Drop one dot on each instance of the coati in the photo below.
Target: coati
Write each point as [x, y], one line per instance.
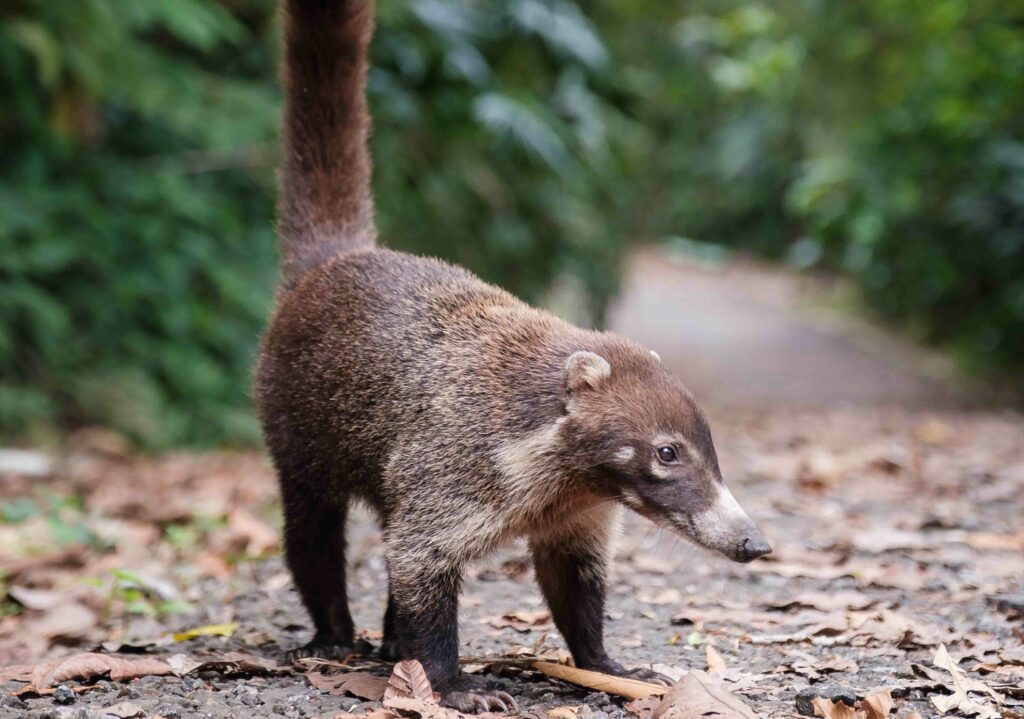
[464, 417]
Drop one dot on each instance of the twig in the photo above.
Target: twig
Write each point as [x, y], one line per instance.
[629, 688]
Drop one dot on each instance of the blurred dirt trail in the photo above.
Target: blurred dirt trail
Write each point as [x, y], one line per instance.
[743, 335]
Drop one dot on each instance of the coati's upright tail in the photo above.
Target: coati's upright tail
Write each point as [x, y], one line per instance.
[325, 204]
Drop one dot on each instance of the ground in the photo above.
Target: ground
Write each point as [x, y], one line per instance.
[892, 497]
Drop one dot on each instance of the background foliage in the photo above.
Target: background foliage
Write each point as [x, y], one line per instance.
[527, 139]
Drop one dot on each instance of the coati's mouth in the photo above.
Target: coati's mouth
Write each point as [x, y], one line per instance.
[724, 528]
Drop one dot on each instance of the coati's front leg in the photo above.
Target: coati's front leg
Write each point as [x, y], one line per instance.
[424, 610]
[571, 571]
[390, 649]
[314, 534]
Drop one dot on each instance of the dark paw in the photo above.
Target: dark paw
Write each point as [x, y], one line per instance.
[648, 675]
[325, 648]
[640, 673]
[480, 700]
[389, 650]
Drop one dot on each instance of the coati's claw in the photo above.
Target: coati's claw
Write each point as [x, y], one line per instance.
[650, 676]
[321, 648]
[480, 701]
[333, 652]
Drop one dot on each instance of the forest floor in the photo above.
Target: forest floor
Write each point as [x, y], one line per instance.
[894, 506]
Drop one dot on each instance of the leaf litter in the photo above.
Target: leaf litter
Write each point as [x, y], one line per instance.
[889, 547]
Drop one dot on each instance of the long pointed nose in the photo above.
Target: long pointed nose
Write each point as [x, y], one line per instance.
[752, 546]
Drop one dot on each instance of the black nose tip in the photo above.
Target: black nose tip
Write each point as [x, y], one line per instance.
[753, 546]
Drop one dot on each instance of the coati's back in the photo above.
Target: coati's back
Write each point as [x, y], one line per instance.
[372, 344]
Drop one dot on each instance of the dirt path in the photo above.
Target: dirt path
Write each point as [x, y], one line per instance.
[895, 517]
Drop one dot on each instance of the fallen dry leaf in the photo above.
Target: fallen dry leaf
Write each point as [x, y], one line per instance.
[408, 691]
[408, 680]
[259, 537]
[356, 684]
[563, 712]
[877, 705]
[65, 621]
[643, 708]
[714, 659]
[962, 687]
[211, 630]
[833, 710]
[229, 664]
[87, 665]
[665, 596]
[698, 696]
[39, 600]
[522, 621]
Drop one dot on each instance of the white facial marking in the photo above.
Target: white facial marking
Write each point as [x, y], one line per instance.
[723, 522]
[659, 470]
[655, 355]
[625, 454]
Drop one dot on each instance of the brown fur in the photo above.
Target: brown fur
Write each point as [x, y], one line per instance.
[464, 417]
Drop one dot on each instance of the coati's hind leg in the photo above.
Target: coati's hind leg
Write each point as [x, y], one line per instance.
[314, 533]
[571, 567]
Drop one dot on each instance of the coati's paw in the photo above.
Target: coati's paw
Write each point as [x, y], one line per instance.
[640, 673]
[648, 675]
[471, 695]
[327, 648]
[389, 650]
[479, 701]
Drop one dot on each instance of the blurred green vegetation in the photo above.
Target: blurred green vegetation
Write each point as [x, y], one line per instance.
[531, 140]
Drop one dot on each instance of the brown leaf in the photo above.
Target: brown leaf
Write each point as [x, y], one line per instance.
[697, 696]
[962, 686]
[714, 659]
[563, 712]
[229, 664]
[832, 710]
[16, 673]
[408, 681]
[522, 621]
[643, 708]
[877, 705]
[259, 537]
[356, 684]
[665, 596]
[69, 621]
[87, 665]
[40, 600]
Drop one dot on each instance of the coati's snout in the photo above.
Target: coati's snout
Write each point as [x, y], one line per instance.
[653, 447]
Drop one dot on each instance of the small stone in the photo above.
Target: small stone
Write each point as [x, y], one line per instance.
[249, 700]
[827, 691]
[168, 712]
[63, 694]
[1008, 602]
[9, 701]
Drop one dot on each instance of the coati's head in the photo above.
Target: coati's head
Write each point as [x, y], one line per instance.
[650, 447]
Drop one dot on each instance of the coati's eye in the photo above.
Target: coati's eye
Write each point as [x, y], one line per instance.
[667, 454]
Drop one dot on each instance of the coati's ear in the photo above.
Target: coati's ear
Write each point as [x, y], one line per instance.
[585, 370]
